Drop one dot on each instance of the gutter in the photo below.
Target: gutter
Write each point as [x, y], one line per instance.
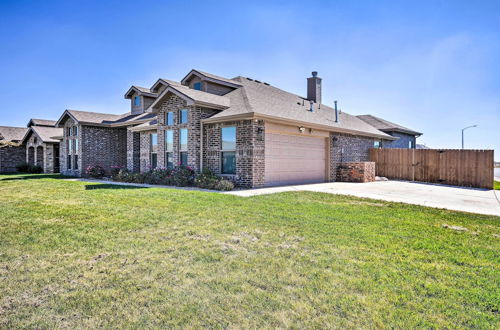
[253, 115]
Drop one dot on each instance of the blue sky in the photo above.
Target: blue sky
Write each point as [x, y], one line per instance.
[433, 66]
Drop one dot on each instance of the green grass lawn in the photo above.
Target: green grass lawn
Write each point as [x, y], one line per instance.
[496, 185]
[75, 254]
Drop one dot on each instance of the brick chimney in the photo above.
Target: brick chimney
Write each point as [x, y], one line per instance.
[314, 88]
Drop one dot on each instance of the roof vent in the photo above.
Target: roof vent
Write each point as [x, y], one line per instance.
[267, 84]
[257, 81]
[311, 103]
[249, 79]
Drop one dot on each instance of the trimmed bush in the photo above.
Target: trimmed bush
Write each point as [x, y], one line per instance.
[206, 179]
[95, 171]
[224, 185]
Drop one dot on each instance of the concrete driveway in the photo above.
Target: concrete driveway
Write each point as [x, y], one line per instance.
[439, 196]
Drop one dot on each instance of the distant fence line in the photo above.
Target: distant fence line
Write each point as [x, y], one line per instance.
[468, 168]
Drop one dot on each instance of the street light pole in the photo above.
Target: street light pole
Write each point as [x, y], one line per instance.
[463, 129]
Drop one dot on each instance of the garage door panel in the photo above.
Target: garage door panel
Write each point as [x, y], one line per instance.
[292, 159]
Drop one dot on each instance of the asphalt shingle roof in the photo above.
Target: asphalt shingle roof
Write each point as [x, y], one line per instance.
[263, 99]
[12, 134]
[385, 125]
[47, 134]
[41, 122]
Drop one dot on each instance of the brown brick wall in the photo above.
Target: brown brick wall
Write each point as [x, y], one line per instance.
[348, 148]
[250, 144]
[10, 157]
[103, 146]
[356, 172]
[97, 146]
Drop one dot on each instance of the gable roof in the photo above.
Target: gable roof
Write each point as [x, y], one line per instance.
[87, 117]
[41, 122]
[193, 96]
[12, 134]
[46, 134]
[210, 77]
[164, 82]
[387, 126]
[256, 99]
[140, 90]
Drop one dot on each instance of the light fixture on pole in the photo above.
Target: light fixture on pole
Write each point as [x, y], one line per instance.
[463, 129]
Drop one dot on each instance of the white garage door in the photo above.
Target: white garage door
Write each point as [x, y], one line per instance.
[294, 159]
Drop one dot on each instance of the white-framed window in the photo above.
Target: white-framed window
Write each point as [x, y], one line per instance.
[228, 150]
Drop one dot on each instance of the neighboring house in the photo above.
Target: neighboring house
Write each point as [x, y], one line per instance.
[247, 131]
[422, 146]
[407, 138]
[91, 138]
[42, 144]
[12, 152]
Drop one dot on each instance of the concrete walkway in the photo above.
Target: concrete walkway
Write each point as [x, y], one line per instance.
[439, 196]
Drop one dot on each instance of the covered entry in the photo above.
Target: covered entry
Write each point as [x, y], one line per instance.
[294, 158]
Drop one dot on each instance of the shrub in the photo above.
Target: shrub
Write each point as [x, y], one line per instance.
[95, 171]
[115, 170]
[23, 167]
[159, 176]
[206, 179]
[183, 176]
[224, 185]
[28, 168]
[36, 169]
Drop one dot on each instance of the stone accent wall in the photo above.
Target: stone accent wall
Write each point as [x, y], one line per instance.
[10, 157]
[103, 146]
[145, 154]
[42, 153]
[133, 151]
[403, 141]
[356, 172]
[63, 150]
[250, 155]
[348, 148]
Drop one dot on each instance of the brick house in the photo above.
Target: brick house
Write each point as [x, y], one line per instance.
[42, 144]
[91, 138]
[406, 138]
[246, 130]
[12, 152]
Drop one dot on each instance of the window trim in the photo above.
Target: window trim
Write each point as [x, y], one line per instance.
[137, 101]
[151, 150]
[181, 111]
[166, 118]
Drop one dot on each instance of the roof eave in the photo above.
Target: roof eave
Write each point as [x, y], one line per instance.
[252, 115]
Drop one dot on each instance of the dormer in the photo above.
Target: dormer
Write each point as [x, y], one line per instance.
[140, 99]
[207, 82]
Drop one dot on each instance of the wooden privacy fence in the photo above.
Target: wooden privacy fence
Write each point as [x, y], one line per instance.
[468, 168]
